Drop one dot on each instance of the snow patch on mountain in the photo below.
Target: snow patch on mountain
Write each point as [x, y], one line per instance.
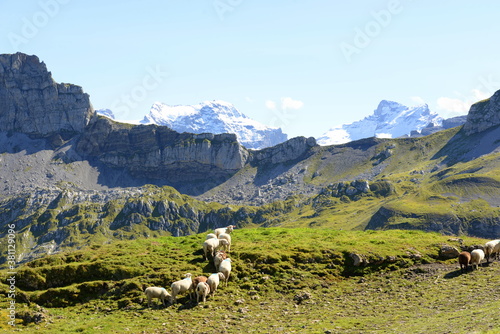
[215, 117]
[389, 120]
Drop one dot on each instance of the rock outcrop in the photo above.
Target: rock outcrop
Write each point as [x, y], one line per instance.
[290, 150]
[161, 153]
[31, 102]
[483, 115]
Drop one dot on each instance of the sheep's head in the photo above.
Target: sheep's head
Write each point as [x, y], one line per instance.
[188, 275]
[222, 276]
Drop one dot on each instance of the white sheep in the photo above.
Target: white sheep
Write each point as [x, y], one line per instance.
[477, 255]
[210, 246]
[227, 229]
[225, 268]
[156, 292]
[490, 248]
[496, 251]
[226, 236]
[202, 290]
[211, 236]
[181, 286]
[214, 280]
[219, 257]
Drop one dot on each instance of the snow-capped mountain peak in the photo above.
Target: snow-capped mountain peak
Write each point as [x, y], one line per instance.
[215, 117]
[390, 120]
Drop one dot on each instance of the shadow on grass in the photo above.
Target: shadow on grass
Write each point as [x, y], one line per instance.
[459, 272]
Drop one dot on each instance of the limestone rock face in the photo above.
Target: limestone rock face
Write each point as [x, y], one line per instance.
[161, 153]
[290, 150]
[31, 102]
[483, 115]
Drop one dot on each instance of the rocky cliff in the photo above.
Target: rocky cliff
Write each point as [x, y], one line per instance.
[31, 102]
[483, 115]
[158, 152]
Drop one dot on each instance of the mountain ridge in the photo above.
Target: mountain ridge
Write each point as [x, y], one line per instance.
[215, 117]
[390, 120]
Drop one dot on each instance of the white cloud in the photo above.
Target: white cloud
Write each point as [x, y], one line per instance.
[271, 105]
[289, 103]
[455, 105]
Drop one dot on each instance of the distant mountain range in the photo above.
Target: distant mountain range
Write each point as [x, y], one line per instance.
[215, 117]
[389, 120]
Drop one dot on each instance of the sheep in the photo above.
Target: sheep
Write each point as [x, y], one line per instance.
[225, 268]
[226, 236]
[214, 280]
[464, 260]
[211, 236]
[490, 248]
[211, 246]
[181, 286]
[197, 280]
[477, 255]
[227, 229]
[202, 290]
[496, 251]
[156, 292]
[219, 257]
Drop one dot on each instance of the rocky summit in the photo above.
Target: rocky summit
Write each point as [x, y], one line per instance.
[483, 115]
[32, 103]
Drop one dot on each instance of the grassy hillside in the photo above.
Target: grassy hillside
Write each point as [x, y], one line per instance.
[284, 280]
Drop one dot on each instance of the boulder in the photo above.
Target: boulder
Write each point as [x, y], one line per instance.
[448, 252]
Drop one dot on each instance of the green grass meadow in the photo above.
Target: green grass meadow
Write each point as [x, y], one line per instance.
[284, 280]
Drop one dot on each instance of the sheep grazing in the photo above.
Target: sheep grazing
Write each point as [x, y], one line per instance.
[226, 236]
[202, 290]
[227, 229]
[211, 236]
[477, 255]
[225, 268]
[464, 260]
[210, 246]
[156, 292]
[490, 248]
[184, 285]
[219, 257]
[214, 280]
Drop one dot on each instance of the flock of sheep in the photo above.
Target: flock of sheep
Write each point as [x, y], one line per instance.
[475, 257]
[201, 286]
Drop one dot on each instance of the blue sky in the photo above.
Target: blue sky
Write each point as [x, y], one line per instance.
[305, 66]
